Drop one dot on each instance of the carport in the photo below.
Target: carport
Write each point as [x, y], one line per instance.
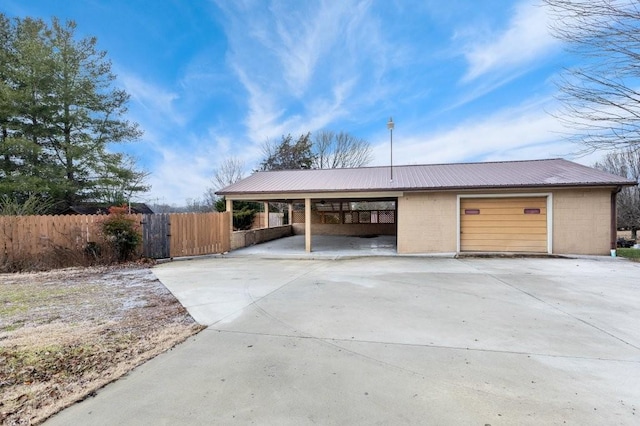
[540, 206]
[361, 214]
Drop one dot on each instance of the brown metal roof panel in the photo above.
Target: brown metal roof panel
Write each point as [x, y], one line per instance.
[438, 176]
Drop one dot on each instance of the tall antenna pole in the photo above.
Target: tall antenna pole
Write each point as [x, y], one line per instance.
[390, 126]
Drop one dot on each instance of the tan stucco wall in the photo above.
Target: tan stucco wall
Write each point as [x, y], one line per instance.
[582, 221]
[427, 223]
[241, 239]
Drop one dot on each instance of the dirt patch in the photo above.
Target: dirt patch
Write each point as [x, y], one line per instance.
[66, 333]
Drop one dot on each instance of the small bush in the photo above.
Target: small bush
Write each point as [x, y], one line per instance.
[243, 219]
[121, 233]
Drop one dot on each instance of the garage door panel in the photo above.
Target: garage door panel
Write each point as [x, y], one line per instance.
[507, 217]
[487, 248]
[503, 224]
[510, 245]
[512, 224]
[515, 219]
[488, 231]
[493, 238]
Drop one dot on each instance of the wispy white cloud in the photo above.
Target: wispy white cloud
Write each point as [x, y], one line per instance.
[303, 67]
[523, 132]
[300, 41]
[483, 88]
[525, 39]
[204, 76]
[263, 113]
[155, 101]
[181, 174]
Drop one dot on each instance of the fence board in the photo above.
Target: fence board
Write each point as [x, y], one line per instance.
[200, 233]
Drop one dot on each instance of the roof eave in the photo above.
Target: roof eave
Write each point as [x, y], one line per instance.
[439, 188]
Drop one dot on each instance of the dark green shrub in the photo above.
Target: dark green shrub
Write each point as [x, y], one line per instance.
[243, 212]
[121, 232]
[243, 219]
[221, 205]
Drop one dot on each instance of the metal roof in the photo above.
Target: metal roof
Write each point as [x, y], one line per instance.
[508, 174]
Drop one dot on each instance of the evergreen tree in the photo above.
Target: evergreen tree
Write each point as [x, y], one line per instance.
[59, 112]
[288, 155]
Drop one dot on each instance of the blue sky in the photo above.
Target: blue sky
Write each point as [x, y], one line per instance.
[464, 80]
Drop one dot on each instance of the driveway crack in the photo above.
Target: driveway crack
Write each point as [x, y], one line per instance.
[585, 322]
[254, 301]
[333, 341]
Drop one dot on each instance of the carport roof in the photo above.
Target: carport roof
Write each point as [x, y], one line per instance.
[508, 174]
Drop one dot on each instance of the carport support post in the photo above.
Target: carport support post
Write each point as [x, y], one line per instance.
[307, 224]
[266, 214]
[290, 214]
[230, 210]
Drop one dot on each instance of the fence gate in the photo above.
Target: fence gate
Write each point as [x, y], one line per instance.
[156, 236]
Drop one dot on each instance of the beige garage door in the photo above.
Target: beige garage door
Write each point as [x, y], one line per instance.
[503, 224]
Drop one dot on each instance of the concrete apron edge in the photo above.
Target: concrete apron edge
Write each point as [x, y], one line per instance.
[330, 256]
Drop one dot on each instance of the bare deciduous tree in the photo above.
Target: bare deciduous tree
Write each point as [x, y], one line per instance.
[337, 150]
[626, 164]
[229, 171]
[601, 96]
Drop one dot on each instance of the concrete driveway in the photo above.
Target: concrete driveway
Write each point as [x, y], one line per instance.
[391, 340]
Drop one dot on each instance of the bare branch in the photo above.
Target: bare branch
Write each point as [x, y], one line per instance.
[625, 163]
[601, 97]
[229, 171]
[338, 150]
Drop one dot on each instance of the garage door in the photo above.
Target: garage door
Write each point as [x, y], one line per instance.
[503, 224]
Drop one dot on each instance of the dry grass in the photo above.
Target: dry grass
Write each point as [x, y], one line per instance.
[66, 333]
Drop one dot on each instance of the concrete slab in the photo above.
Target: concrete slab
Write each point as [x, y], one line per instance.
[391, 340]
[322, 246]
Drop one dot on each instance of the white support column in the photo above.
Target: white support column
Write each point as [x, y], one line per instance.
[229, 208]
[266, 214]
[307, 224]
[290, 214]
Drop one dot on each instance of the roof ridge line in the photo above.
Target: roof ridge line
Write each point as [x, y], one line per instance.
[419, 165]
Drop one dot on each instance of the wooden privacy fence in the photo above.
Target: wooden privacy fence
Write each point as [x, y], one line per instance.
[199, 233]
[36, 235]
[164, 235]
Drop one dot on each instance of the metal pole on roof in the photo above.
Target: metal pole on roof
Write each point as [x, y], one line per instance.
[390, 126]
